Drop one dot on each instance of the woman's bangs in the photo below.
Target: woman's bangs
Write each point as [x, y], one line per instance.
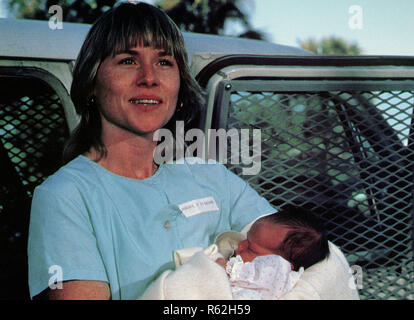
[134, 32]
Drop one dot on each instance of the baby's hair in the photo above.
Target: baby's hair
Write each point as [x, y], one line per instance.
[306, 242]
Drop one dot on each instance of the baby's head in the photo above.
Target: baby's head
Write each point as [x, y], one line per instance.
[293, 233]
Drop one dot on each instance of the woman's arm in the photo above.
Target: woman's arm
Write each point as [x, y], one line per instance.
[78, 290]
[61, 235]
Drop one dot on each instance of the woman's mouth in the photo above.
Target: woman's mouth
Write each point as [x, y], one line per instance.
[145, 102]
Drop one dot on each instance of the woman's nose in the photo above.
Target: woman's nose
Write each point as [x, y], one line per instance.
[148, 76]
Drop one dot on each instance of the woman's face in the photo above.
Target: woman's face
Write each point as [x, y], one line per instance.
[137, 91]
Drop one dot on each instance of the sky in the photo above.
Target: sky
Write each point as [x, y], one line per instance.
[379, 27]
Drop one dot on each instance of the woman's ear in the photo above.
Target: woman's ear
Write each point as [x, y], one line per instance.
[91, 100]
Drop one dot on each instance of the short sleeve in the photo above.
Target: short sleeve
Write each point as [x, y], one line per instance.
[61, 245]
[246, 203]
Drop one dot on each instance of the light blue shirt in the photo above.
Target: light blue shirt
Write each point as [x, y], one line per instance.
[90, 224]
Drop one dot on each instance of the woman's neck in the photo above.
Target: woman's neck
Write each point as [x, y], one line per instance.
[130, 157]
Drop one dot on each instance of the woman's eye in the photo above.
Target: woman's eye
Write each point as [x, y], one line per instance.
[165, 63]
[127, 61]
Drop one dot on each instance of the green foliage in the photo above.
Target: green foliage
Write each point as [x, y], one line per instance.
[209, 16]
[83, 11]
[332, 45]
[202, 16]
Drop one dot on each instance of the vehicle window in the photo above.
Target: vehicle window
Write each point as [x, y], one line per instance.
[345, 155]
[32, 132]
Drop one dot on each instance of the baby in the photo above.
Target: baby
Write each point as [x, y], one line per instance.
[267, 265]
[278, 248]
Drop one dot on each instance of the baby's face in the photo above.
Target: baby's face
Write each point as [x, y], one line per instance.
[263, 238]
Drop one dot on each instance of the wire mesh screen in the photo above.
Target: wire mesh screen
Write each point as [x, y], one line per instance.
[32, 132]
[347, 156]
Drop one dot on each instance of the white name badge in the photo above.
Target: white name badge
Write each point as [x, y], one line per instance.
[197, 206]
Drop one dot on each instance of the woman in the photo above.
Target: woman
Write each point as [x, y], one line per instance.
[107, 223]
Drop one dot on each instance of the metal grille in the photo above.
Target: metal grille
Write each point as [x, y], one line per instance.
[347, 156]
[32, 132]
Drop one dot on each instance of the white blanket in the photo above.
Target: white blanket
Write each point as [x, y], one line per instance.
[198, 277]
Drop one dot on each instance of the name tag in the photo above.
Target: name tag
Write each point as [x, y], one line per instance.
[194, 207]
